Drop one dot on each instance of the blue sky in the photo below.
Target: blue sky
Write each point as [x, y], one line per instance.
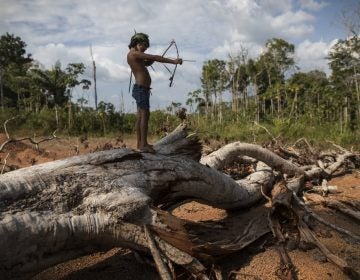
[203, 29]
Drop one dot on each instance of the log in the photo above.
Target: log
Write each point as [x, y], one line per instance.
[53, 211]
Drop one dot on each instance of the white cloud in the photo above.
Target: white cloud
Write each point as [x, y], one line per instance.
[312, 55]
[50, 53]
[313, 5]
[64, 30]
[291, 18]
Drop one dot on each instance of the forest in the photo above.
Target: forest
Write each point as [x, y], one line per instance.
[267, 91]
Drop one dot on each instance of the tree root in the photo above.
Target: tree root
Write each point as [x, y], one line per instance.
[287, 206]
[341, 206]
[308, 236]
[324, 222]
[162, 269]
[280, 198]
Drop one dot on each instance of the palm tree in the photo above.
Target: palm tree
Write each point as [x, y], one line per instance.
[54, 82]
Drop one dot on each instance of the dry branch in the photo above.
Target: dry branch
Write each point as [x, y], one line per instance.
[4, 164]
[31, 140]
[226, 154]
[160, 264]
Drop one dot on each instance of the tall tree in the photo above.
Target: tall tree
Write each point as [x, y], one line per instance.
[214, 78]
[53, 82]
[58, 83]
[309, 95]
[12, 55]
[231, 68]
[274, 63]
[254, 72]
[195, 98]
[94, 76]
[238, 79]
[344, 61]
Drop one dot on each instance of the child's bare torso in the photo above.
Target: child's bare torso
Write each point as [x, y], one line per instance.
[142, 76]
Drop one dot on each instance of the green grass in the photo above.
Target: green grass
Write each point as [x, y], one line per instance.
[232, 128]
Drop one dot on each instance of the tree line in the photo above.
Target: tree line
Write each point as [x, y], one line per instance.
[271, 86]
[268, 89]
[43, 97]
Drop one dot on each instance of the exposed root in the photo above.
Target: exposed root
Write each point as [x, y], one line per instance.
[281, 210]
[160, 264]
[348, 208]
[287, 270]
[190, 263]
[308, 236]
[341, 207]
[324, 222]
[287, 220]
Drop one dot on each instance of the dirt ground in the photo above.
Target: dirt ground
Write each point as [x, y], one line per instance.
[258, 261]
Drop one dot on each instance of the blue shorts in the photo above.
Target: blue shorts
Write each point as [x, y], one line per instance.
[142, 96]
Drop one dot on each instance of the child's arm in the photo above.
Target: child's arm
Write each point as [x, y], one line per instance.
[158, 58]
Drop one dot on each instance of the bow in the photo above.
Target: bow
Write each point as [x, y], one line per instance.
[172, 73]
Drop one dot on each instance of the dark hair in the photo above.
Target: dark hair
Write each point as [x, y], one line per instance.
[139, 38]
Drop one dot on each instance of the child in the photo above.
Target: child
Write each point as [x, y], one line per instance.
[138, 60]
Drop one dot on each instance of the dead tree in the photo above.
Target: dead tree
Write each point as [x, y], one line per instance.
[58, 210]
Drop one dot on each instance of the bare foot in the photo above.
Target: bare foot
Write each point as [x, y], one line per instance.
[147, 149]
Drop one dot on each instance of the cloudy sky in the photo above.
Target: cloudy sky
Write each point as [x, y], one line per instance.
[203, 29]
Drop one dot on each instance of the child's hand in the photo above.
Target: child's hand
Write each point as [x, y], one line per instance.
[178, 61]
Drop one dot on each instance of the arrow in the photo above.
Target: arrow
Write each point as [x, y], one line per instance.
[189, 60]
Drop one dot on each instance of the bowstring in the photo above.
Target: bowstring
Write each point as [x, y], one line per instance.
[177, 56]
[172, 73]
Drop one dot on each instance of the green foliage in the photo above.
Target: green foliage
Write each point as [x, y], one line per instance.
[13, 67]
[56, 85]
[263, 89]
[271, 66]
[12, 50]
[319, 135]
[161, 122]
[87, 121]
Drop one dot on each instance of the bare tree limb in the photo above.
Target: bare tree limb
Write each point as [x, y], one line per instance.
[31, 140]
[4, 164]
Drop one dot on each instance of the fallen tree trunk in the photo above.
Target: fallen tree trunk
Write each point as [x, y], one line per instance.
[104, 198]
[56, 211]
